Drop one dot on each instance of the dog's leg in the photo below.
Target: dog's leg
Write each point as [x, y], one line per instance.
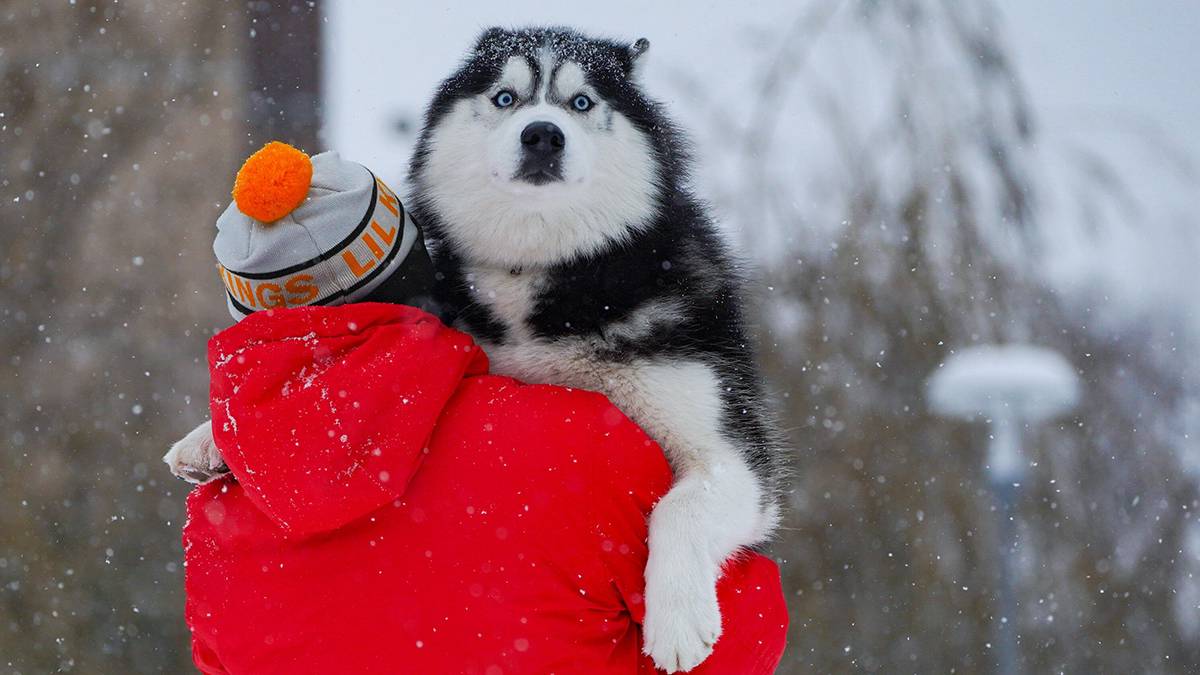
[714, 508]
[195, 457]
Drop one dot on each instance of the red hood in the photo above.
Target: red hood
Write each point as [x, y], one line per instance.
[323, 413]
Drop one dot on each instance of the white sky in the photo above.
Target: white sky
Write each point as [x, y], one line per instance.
[1103, 57]
[1111, 57]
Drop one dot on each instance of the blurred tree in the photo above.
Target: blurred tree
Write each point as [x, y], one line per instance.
[908, 223]
[285, 74]
[121, 124]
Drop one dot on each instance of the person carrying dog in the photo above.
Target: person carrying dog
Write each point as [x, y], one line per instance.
[390, 507]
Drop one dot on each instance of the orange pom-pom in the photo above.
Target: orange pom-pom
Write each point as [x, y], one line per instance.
[272, 182]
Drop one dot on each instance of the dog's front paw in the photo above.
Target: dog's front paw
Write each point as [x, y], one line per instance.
[195, 457]
[683, 620]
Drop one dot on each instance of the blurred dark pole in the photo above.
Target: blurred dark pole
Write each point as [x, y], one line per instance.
[1005, 642]
[284, 73]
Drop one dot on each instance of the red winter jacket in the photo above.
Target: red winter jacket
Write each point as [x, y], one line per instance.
[398, 510]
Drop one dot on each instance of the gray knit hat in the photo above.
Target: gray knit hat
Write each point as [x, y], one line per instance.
[308, 232]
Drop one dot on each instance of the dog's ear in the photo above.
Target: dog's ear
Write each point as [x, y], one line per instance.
[636, 53]
[638, 48]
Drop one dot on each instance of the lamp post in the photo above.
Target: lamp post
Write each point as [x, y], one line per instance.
[1010, 387]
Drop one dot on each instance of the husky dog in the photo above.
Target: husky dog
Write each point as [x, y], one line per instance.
[554, 195]
[554, 198]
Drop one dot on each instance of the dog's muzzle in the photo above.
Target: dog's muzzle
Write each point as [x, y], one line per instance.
[542, 145]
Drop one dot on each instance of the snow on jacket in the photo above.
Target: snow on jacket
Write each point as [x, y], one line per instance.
[398, 510]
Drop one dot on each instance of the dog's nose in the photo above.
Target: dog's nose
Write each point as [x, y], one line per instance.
[543, 138]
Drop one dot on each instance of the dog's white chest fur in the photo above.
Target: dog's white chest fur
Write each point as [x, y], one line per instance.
[509, 294]
[512, 297]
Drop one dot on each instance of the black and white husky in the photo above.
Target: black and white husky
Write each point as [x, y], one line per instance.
[554, 196]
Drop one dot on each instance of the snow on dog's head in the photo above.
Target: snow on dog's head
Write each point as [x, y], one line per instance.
[542, 148]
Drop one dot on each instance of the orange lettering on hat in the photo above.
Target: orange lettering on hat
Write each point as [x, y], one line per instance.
[227, 277]
[356, 268]
[275, 299]
[371, 244]
[224, 277]
[387, 237]
[388, 198]
[301, 289]
[244, 290]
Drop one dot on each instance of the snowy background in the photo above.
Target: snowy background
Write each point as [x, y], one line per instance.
[910, 178]
[1116, 80]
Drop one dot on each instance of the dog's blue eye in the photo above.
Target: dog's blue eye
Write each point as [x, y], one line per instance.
[503, 99]
[582, 103]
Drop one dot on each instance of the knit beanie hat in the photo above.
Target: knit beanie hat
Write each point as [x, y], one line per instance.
[301, 231]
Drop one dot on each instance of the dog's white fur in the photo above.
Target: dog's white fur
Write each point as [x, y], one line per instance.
[507, 223]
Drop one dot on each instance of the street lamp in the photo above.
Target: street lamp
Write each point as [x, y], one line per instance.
[1010, 387]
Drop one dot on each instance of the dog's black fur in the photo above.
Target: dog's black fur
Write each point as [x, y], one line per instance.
[680, 255]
